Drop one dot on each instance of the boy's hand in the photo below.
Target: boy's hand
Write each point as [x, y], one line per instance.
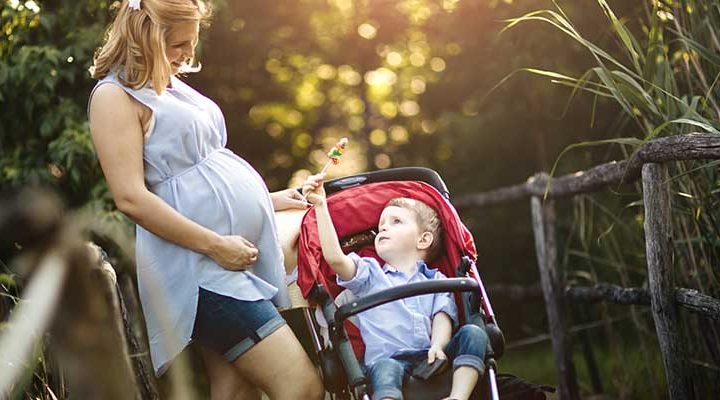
[313, 189]
[436, 352]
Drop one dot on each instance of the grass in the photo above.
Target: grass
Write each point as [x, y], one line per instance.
[630, 377]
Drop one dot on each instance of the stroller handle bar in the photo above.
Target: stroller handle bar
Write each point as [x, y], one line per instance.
[401, 292]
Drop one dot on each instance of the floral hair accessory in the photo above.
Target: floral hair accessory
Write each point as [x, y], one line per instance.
[134, 4]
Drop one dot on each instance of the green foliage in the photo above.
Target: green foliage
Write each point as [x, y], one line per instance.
[325, 69]
[45, 51]
[536, 364]
[657, 83]
[403, 79]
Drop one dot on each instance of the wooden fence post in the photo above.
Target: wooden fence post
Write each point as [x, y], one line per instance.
[543, 220]
[659, 249]
[87, 336]
[134, 332]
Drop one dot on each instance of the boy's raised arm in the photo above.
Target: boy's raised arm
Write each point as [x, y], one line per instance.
[343, 265]
[338, 261]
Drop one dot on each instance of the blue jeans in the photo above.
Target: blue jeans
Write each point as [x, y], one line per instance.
[465, 349]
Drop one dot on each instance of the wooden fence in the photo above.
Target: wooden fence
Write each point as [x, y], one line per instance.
[648, 164]
[74, 298]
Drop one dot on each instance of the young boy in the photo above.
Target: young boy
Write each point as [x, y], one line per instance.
[402, 334]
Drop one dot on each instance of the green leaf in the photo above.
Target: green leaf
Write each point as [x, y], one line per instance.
[705, 126]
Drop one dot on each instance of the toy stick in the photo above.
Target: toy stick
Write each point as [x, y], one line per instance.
[333, 158]
[335, 154]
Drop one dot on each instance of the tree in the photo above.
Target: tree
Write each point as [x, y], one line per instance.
[45, 51]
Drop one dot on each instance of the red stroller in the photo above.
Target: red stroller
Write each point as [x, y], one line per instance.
[355, 204]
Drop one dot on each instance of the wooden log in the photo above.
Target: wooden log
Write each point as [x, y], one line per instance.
[658, 245]
[694, 146]
[675, 148]
[543, 220]
[608, 292]
[516, 292]
[107, 283]
[588, 181]
[689, 299]
[136, 340]
[87, 336]
[699, 303]
[493, 197]
[29, 320]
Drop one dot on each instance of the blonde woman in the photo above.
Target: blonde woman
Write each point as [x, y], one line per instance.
[209, 263]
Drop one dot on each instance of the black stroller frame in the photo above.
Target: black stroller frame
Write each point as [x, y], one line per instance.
[341, 371]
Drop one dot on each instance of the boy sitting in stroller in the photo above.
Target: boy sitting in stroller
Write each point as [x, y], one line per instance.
[402, 335]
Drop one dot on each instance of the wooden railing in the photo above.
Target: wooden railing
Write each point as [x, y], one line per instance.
[72, 296]
[648, 164]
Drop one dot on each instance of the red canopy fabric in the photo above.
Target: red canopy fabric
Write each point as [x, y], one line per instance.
[358, 209]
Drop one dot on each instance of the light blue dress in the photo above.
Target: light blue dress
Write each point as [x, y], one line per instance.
[188, 166]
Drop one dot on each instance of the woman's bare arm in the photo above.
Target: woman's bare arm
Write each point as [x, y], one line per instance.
[117, 135]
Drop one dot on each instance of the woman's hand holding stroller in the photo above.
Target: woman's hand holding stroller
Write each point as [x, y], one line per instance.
[313, 189]
[288, 199]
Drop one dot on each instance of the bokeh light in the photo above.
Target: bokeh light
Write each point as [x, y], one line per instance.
[367, 31]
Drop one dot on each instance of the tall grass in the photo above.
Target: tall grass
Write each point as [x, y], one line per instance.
[663, 74]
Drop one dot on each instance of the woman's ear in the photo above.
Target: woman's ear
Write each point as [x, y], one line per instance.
[425, 240]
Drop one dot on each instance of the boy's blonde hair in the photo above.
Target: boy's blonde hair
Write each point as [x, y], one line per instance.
[136, 41]
[427, 219]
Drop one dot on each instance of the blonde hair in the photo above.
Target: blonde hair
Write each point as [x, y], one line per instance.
[136, 39]
[427, 219]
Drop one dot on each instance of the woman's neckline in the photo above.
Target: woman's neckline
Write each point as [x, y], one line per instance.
[172, 84]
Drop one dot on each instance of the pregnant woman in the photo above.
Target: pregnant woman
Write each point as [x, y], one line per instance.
[209, 263]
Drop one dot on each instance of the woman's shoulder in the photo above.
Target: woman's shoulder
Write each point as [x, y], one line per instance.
[110, 90]
[110, 100]
[107, 93]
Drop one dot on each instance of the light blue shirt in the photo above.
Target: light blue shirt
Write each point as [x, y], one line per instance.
[187, 165]
[401, 325]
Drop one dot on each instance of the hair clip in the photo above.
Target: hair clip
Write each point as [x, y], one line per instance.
[134, 5]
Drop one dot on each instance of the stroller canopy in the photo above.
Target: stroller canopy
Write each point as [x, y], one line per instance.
[357, 209]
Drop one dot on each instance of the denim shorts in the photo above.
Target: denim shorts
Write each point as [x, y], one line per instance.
[230, 326]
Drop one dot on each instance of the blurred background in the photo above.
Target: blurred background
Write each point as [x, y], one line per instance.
[485, 92]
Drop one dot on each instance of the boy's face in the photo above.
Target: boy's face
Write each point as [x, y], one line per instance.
[398, 234]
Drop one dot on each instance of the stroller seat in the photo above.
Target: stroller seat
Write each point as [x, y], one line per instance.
[355, 204]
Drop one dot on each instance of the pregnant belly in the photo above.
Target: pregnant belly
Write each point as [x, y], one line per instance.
[224, 198]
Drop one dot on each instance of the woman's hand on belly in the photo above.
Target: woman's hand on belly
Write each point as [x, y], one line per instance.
[234, 253]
